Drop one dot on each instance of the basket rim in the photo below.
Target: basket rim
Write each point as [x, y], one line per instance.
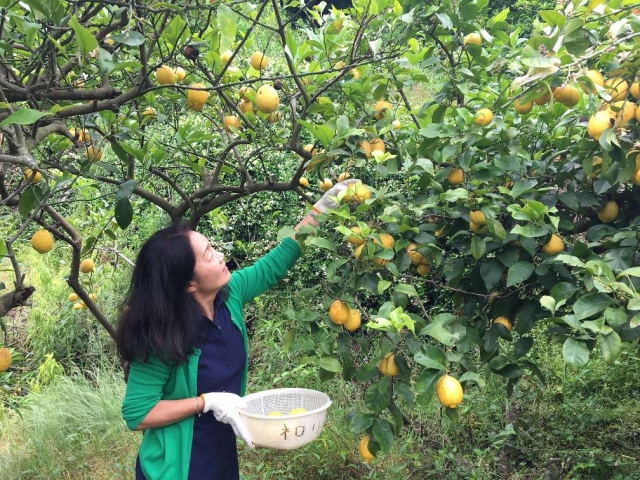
[264, 393]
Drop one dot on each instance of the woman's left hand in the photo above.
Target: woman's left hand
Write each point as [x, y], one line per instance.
[328, 200]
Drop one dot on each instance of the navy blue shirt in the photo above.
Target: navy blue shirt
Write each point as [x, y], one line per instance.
[213, 453]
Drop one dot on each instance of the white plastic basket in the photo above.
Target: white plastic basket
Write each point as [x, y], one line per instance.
[286, 431]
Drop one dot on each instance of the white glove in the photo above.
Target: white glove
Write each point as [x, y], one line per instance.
[328, 200]
[225, 406]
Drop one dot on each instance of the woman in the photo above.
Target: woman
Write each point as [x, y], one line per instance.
[184, 336]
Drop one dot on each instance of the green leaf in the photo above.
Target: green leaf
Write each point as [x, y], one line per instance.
[553, 18]
[383, 285]
[548, 302]
[126, 189]
[323, 133]
[519, 272]
[511, 370]
[478, 247]
[321, 243]
[611, 346]
[438, 332]
[360, 422]
[86, 41]
[530, 231]
[3, 251]
[383, 432]
[28, 202]
[123, 213]
[406, 289]
[330, 364]
[378, 395]
[24, 116]
[634, 272]
[532, 58]
[130, 38]
[431, 357]
[522, 346]
[591, 304]
[491, 272]
[575, 352]
[521, 187]
[228, 27]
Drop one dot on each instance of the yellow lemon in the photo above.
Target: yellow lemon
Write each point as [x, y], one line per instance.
[231, 122]
[296, 411]
[181, 73]
[634, 90]
[28, 173]
[377, 144]
[274, 413]
[522, 108]
[544, 97]
[617, 88]
[381, 108]
[415, 256]
[325, 184]
[554, 245]
[343, 176]
[456, 176]
[477, 217]
[259, 61]
[245, 106]
[304, 182]
[363, 448]
[423, 269]
[609, 212]
[73, 297]
[226, 56]
[596, 77]
[484, 117]
[449, 391]
[94, 153]
[473, 37]
[356, 239]
[504, 321]
[87, 266]
[354, 321]
[339, 312]
[5, 359]
[567, 95]
[267, 99]
[388, 365]
[598, 123]
[165, 75]
[197, 98]
[42, 241]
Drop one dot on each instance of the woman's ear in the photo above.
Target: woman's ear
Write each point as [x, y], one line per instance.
[191, 287]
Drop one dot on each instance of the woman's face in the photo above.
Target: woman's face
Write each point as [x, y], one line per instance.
[210, 273]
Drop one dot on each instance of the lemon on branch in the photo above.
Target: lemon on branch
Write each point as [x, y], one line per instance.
[267, 99]
[449, 391]
[165, 75]
[42, 241]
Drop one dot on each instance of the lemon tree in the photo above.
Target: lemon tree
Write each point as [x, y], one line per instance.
[508, 191]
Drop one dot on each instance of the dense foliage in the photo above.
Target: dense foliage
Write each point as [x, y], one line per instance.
[510, 193]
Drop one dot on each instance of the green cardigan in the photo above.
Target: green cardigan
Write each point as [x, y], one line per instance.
[165, 452]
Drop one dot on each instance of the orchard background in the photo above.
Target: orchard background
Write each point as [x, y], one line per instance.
[494, 238]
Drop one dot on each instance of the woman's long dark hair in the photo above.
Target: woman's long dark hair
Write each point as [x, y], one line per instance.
[159, 316]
